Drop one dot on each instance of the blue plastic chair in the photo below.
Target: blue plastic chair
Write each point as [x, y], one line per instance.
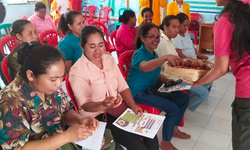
[4, 27]
[120, 12]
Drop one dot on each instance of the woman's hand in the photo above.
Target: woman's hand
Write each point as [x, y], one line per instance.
[89, 121]
[109, 102]
[174, 60]
[204, 57]
[137, 110]
[58, 9]
[189, 82]
[78, 133]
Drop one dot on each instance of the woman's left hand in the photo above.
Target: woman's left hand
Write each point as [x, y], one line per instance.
[189, 82]
[137, 110]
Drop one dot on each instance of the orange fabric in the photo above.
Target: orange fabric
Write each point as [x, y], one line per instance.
[54, 7]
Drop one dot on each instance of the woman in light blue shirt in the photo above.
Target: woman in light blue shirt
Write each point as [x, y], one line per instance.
[71, 24]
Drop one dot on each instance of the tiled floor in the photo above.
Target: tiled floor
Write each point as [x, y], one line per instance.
[210, 124]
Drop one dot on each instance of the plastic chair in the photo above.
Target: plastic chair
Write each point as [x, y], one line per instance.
[91, 10]
[124, 65]
[50, 36]
[5, 69]
[195, 16]
[106, 11]
[6, 27]
[25, 18]
[120, 12]
[109, 47]
[71, 94]
[112, 37]
[9, 42]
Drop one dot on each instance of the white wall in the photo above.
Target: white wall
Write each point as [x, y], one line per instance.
[15, 12]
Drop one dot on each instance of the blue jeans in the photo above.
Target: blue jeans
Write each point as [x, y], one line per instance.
[174, 109]
[197, 95]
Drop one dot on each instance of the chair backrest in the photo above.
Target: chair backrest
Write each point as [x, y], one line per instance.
[113, 36]
[103, 28]
[71, 94]
[91, 10]
[124, 62]
[5, 69]
[106, 11]
[121, 10]
[9, 42]
[197, 17]
[5, 29]
[50, 36]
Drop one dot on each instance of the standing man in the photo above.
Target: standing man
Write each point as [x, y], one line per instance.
[178, 6]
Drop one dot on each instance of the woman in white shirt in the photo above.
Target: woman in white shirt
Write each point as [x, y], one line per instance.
[170, 27]
[183, 43]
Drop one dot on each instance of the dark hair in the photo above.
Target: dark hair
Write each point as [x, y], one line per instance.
[37, 58]
[39, 5]
[18, 27]
[238, 14]
[65, 19]
[145, 28]
[182, 17]
[126, 16]
[86, 32]
[166, 21]
[145, 10]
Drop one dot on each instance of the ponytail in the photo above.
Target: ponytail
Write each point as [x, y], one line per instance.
[65, 19]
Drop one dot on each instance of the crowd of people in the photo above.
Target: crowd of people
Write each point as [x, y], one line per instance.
[36, 114]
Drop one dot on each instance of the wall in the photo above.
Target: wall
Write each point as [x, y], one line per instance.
[14, 12]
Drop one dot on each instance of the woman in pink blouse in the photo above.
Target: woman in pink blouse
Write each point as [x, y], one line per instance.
[96, 82]
[40, 19]
[127, 34]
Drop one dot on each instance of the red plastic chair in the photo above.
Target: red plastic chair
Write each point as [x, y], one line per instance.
[113, 36]
[195, 16]
[71, 94]
[109, 47]
[9, 41]
[106, 11]
[5, 69]
[50, 36]
[91, 10]
[124, 65]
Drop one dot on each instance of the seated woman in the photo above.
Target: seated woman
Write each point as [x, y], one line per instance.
[96, 82]
[55, 9]
[127, 34]
[71, 24]
[24, 31]
[177, 7]
[144, 73]
[33, 108]
[147, 16]
[170, 27]
[40, 19]
[183, 43]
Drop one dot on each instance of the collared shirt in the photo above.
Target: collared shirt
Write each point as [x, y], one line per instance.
[70, 48]
[174, 9]
[25, 117]
[165, 46]
[124, 38]
[185, 44]
[92, 84]
[223, 33]
[137, 80]
[41, 24]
